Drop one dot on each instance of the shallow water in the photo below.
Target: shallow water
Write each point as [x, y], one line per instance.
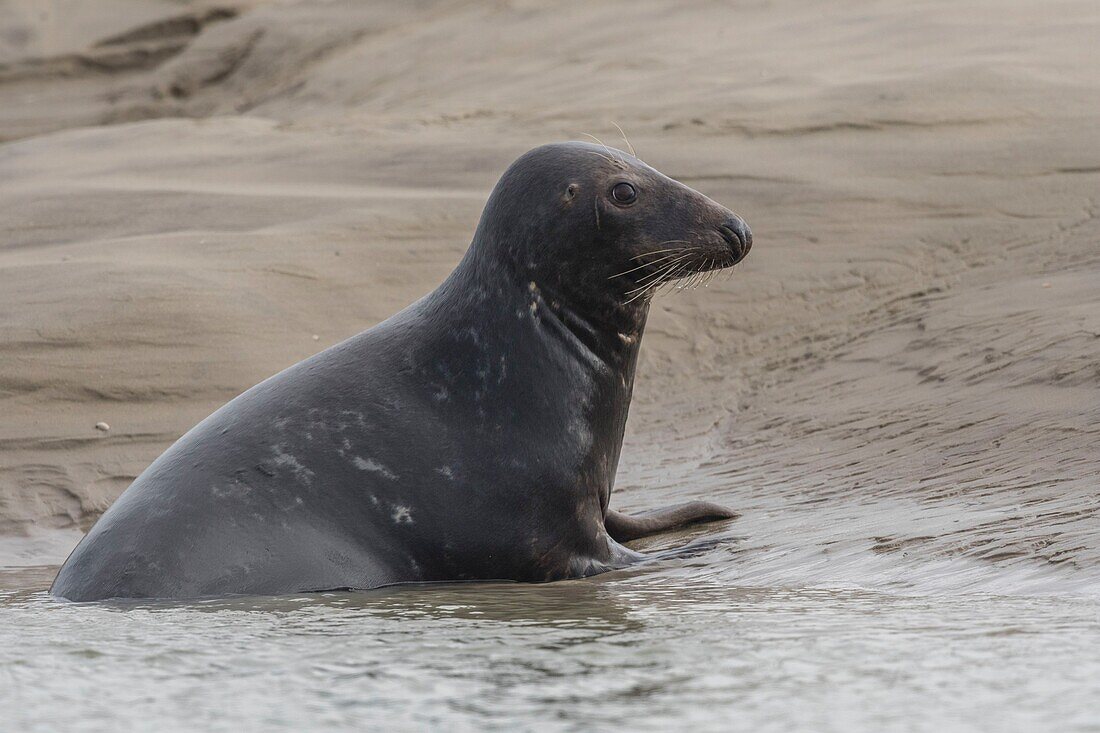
[658, 648]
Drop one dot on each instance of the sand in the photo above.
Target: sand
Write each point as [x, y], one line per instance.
[898, 387]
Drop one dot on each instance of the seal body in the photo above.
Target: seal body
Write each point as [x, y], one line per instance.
[474, 435]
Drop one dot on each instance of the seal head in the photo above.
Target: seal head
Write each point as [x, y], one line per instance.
[603, 229]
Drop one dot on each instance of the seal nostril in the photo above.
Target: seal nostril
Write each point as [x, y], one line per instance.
[729, 234]
[738, 235]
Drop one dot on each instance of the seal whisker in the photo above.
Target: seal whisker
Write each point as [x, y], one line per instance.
[683, 277]
[663, 273]
[637, 295]
[659, 251]
[655, 277]
[677, 259]
[685, 284]
[678, 283]
[648, 289]
[644, 264]
[668, 249]
[625, 138]
[678, 274]
[618, 162]
[699, 278]
[670, 283]
[601, 155]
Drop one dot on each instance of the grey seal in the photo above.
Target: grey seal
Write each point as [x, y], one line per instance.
[474, 435]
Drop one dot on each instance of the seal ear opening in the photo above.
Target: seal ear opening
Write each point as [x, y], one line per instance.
[570, 192]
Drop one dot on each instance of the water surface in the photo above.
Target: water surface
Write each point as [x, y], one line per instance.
[660, 648]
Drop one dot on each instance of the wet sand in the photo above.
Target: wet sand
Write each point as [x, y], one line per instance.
[898, 388]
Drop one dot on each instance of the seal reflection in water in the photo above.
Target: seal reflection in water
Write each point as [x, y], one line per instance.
[474, 435]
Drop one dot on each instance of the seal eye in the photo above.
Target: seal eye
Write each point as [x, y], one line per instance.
[624, 193]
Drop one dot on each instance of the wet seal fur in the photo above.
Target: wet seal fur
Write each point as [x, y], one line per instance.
[474, 435]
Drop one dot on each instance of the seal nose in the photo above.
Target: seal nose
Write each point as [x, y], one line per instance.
[738, 235]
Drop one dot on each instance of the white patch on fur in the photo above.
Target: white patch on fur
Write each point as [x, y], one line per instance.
[369, 464]
[283, 459]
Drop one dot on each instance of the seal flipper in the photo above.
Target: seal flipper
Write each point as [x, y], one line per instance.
[626, 527]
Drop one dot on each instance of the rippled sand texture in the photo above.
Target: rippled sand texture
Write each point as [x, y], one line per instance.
[899, 388]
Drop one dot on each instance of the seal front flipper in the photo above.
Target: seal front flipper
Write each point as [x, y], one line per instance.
[626, 527]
